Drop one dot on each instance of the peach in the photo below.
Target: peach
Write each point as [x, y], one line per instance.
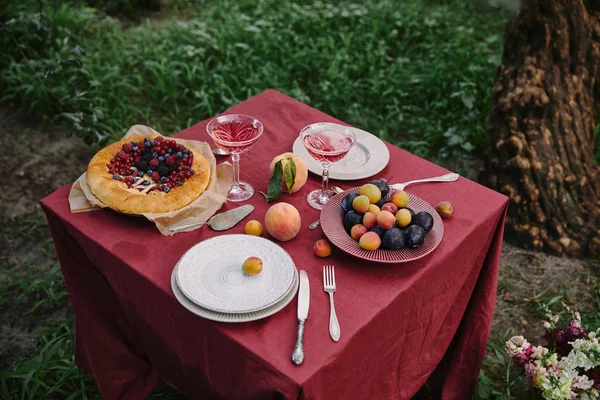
[386, 220]
[301, 170]
[369, 220]
[445, 209]
[357, 231]
[361, 204]
[371, 191]
[282, 221]
[370, 241]
[374, 209]
[391, 207]
[400, 199]
[252, 266]
[322, 248]
[253, 227]
[403, 217]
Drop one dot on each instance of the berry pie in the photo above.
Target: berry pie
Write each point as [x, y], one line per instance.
[147, 175]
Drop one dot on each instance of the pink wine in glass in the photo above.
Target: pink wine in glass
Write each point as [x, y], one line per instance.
[326, 143]
[235, 136]
[236, 133]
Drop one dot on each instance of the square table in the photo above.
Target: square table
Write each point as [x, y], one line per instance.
[403, 325]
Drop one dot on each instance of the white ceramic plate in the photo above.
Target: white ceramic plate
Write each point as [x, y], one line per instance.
[368, 156]
[210, 274]
[231, 318]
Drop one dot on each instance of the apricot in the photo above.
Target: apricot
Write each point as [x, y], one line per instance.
[445, 209]
[403, 218]
[282, 221]
[374, 209]
[371, 191]
[301, 170]
[370, 241]
[391, 207]
[253, 227]
[361, 204]
[369, 220]
[252, 266]
[322, 248]
[400, 199]
[386, 220]
[357, 231]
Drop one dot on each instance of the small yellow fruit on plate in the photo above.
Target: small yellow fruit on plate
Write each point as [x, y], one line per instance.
[252, 266]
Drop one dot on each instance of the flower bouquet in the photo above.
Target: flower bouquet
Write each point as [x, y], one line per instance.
[569, 367]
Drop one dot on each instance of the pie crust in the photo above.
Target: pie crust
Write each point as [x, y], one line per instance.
[118, 196]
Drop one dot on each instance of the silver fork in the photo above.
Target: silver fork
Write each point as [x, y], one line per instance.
[329, 284]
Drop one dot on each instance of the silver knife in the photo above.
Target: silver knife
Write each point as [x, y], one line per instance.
[303, 304]
[220, 222]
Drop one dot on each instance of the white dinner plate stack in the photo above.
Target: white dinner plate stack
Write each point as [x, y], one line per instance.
[208, 279]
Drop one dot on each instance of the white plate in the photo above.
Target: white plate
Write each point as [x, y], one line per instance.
[368, 156]
[231, 318]
[210, 274]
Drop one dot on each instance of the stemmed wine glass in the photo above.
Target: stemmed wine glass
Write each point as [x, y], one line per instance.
[236, 134]
[327, 143]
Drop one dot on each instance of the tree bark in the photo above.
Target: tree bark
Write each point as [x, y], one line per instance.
[545, 102]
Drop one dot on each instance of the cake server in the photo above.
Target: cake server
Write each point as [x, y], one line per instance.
[303, 304]
[220, 222]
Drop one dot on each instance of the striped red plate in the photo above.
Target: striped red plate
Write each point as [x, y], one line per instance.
[332, 222]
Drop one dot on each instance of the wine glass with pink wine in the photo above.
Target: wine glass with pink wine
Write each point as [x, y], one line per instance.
[236, 134]
[326, 143]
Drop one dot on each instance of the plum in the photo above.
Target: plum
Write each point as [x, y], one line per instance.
[347, 201]
[415, 236]
[393, 239]
[352, 218]
[382, 185]
[378, 230]
[424, 220]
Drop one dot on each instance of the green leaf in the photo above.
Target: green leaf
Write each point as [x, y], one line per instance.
[290, 174]
[274, 187]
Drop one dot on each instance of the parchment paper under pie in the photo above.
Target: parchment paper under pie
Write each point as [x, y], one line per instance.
[198, 211]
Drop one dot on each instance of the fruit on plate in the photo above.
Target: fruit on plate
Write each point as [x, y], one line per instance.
[374, 209]
[322, 248]
[370, 241]
[369, 220]
[445, 209]
[415, 236]
[357, 231]
[391, 207]
[282, 221]
[382, 186]
[392, 227]
[253, 227]
[371, 191]
[301, 170]
[352, 218]
[386, 220]
[410, 210]
[424, 220]
[347, 201]
[147, 174]
[393, 239]
[403, 218]
[377, 229]
[361, 204]
[252, 266]
[400, 199]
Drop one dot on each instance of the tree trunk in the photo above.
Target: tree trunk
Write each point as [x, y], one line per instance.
[542, 126]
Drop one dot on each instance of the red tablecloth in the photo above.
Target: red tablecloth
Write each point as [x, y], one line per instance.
[402, 325]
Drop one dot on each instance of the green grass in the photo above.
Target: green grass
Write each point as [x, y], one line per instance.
[415, 73]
